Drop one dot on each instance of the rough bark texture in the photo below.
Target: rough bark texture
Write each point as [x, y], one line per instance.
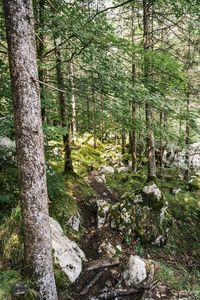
[149, 114]
[41, 53]
[29, 143]
[68, 167]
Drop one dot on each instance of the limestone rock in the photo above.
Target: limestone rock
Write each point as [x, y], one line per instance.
[107, 169]
[66, 252]
[74, 222]
[122, 169]
[153, 190]
[152, 196]
[136, 272]
[103, 208]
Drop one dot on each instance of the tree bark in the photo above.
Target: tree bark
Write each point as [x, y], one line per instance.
[149, 114]
[29, 144]
[68, 167]
[40, 52]
[73, 103]
[133, 134]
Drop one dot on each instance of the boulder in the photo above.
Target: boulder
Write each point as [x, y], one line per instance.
[136, 272]
[66, 252]
[107, 169]
[122, 169]
[152, 196]
[103, 208]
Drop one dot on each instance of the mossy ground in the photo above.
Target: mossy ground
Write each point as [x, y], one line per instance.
[65, 192]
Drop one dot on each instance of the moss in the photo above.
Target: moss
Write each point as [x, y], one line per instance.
[194, 184]
[11, 240]
[7, 279]
[62, 283]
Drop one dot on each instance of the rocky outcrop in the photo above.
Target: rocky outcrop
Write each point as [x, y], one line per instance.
[174, 156]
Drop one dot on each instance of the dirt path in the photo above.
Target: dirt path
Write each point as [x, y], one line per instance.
[91, 240]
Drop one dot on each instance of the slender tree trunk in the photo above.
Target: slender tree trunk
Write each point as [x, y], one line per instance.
[133, 133]
[94, 122]
[149, 114]
[68, 167]
[161, 143]
[187, 140]
[29, 144]
[74, 121]
[123, 141]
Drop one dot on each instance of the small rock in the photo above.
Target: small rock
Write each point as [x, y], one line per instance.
[176, 191]
[136, 272]
[19, 289]
[101, 178]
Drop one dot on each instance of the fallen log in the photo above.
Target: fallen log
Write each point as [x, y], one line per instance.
[116, 293]
[94, 280]
[101, 263]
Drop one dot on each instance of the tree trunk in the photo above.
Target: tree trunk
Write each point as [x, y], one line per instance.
[73, 124]
[29, 144]
[68, 167]
[40, 52]
[133, 134]
[123, 141]
[149, 114]
[187, 140]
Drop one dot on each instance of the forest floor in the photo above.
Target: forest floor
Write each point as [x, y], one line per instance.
[99, 280]
[177, 263]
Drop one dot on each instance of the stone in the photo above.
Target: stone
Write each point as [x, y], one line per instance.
[74, 222]
[101, 178]
[153, 190]
[152, 196]
[66, 252]
[176, 191]
[136, 272]
[7, 150]
[107, 169]
[122, 169]
[103, 208]
[174, 156]
[107, 249]
[19, 289]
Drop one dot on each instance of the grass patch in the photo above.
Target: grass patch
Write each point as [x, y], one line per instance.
[179, 278]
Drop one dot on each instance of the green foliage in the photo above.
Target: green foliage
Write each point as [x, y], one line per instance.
[7, 279]
[179, 278]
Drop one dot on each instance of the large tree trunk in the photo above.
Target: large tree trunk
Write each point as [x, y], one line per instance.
[29, 143]
[149, 114]
[68, 167]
